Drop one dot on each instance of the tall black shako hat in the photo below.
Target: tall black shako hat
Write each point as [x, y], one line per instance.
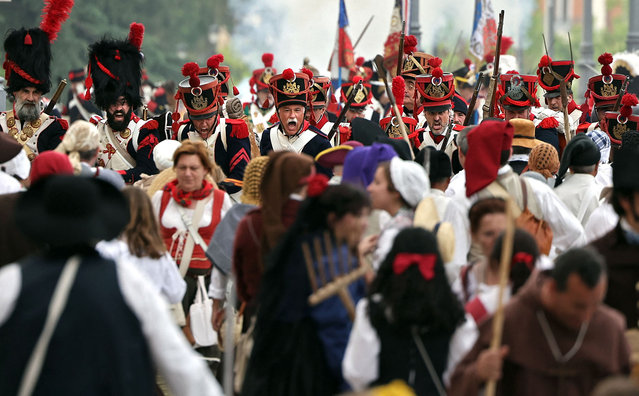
[63, 210]
[605, 88]
[291, 87]
[551, 73]
[198, 92]
[436, 88]
[623, 121]
[214, 68]
[28, 51]
[580, 151]
[517, 91]
[115, 69]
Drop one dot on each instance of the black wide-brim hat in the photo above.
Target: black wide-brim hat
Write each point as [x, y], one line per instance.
[618, 125]
[70, 210]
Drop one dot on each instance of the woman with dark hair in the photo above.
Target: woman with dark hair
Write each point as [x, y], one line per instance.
[524, 257]
[411, 324]
[298, 348]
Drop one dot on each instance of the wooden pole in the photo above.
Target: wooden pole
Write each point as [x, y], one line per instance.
[504, 269]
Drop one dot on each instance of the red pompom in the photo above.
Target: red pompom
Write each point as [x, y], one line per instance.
[54, 14]
[629, 100]
[625, 111]
[506, 43]
[544, 61]
[175, 116]
[194, 81]
[512, 72]
[467, 62]
[27, 39]
[410, 44]
[214, 61]
[606, 70]
[605, 58]
[360, 61]
[549, 123]
[399, 89]
[437, 72]
[267, 59]
[136, 34]
[357, 79]
[236, 91]
[288, 74]
[489, 58]
[308, 73]
[190, 69]
[434, 62]
[316, 185]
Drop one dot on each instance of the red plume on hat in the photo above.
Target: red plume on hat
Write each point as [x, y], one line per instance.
[190, 70]
[489, 58]
[267, 59]
[627, 102]
[308, 72]
[136, 34]
[468, 62]
[544, 61]
[54, 14]
[605, 59]
[288, 74]
[410, 44]
[434, 63]
[506, 43]
[399, 89]
[214, 61]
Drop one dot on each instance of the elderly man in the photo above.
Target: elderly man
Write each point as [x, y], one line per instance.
[558, 338]
[27, 72]
[126, 141]
[293, 132]
[227, 139]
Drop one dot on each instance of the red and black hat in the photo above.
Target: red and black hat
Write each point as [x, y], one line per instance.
[414, 63]
[28, 51]
[605, 88]
[320, 91]
[391, 125]
[362, 98]
[214, 68]
[262, 77]
[550, 73]
[115, 69]
[362, 69]
[622, 121]
[459, 103]
[199, 93]
[77, 75]
[290, 88]
[517, 91]
[437, 88]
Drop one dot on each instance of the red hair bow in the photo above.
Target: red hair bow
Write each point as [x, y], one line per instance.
[425, 263]
[523, 257]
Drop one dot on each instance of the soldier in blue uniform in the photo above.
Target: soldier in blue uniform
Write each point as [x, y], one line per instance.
[292, 93]
[227, 139]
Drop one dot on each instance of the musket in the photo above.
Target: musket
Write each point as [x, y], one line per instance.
[563, 94]
[55, 97]
[473, 100]
[381, 70]
[489, 106]
[363, 31]
[624, 87]
[145, 113]
[347, 105]
[400, 53]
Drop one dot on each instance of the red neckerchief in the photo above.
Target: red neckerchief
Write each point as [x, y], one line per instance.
[436, 138]
[184, 198]
[572, 106]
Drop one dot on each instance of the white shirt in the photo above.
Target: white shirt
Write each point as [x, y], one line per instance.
[360, 366]
[9, 184]
[602, 220]
[163, 272]
[580, 193]
[182, 368]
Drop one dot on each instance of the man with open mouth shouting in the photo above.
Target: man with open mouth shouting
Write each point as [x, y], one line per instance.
[227, 139]
[292, 93]
[115, 73]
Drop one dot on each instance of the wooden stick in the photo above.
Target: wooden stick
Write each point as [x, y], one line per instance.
[306, 250]
[332, 288]
[504, 267]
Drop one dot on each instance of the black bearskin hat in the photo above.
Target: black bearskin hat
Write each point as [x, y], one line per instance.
[115, 69]
[28, 60]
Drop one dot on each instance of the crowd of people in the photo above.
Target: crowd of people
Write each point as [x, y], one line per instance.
[173, 240]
